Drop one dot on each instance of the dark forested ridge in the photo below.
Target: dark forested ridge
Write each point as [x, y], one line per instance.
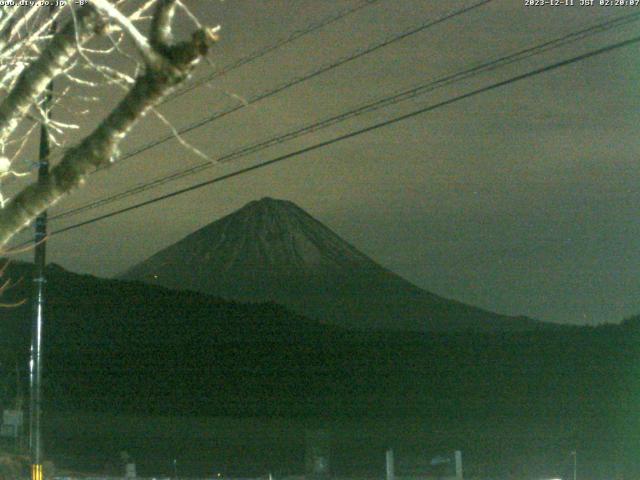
[108, 339]
[120, 347]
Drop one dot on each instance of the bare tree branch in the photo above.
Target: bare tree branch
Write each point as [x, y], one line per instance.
[35, 78]
[161, 24]
[149, 55]
[172, 63]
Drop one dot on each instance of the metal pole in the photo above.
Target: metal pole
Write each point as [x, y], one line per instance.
[575, 464]
[458, 458]
[390, 466]
[35, 363]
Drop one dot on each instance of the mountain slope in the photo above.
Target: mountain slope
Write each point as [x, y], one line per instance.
[273, 250]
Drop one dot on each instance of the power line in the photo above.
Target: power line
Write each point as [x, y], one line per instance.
[264, 51]
[366, 108]
[250, 58]
[308, 76]
[355, 133]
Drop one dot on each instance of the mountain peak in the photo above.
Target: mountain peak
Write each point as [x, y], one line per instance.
[272, 250]
[265, 238]
[278, 235]
[270, 201]
[266, 204]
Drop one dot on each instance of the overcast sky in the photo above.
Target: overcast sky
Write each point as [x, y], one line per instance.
[522, 200]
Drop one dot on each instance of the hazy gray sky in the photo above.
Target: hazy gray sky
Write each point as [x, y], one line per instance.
[522, 200]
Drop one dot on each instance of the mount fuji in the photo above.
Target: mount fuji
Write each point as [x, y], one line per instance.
[272, 250]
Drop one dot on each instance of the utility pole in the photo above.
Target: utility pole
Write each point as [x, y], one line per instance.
[35, 362]
[575, 464]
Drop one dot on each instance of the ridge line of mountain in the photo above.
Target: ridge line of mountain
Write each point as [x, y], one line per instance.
[274, 250]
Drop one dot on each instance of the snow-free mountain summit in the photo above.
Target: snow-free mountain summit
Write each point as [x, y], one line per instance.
[272, 250]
